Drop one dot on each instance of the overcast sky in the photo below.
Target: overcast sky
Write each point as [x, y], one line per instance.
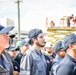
[34, 12]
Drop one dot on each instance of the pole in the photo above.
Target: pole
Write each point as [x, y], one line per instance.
[18, 6]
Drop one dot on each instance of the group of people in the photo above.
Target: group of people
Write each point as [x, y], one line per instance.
[36, 56]
[71, 21]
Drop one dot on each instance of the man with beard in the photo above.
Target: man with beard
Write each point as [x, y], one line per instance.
[33, 62]
[49, 51]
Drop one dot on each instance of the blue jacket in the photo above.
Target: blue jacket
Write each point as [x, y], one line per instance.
[67, 66]
[33, 63]
[55, 64]
[7, 61]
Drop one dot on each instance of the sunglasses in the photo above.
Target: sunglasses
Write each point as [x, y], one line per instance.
[62, 51]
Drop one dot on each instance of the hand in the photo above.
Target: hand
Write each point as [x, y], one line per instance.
[16, 73]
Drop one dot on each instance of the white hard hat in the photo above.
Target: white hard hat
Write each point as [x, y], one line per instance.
[48, 44]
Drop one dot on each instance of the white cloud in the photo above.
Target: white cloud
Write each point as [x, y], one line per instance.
[34, 12]
[32, 20]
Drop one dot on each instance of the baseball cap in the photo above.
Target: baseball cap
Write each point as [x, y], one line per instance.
[48, 44]
[33, 33]
[11, 35]
[69, 39]
[12, 48]
[6, 30]
[59, 45]
[23, 42]
[18, 43]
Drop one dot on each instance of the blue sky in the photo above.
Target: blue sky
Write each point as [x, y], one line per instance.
[34, 12]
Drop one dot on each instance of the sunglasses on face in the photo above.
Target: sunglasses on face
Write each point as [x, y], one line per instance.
[62, 50]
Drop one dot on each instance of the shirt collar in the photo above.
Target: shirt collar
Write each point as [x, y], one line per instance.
[74, 60]
[58, 58]
[37, 51]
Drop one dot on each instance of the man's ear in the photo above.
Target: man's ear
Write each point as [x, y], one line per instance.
[70, 46]
[33, 39]
[58, 52]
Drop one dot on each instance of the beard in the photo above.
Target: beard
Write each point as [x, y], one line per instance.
[40, 45]
[49, 51]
